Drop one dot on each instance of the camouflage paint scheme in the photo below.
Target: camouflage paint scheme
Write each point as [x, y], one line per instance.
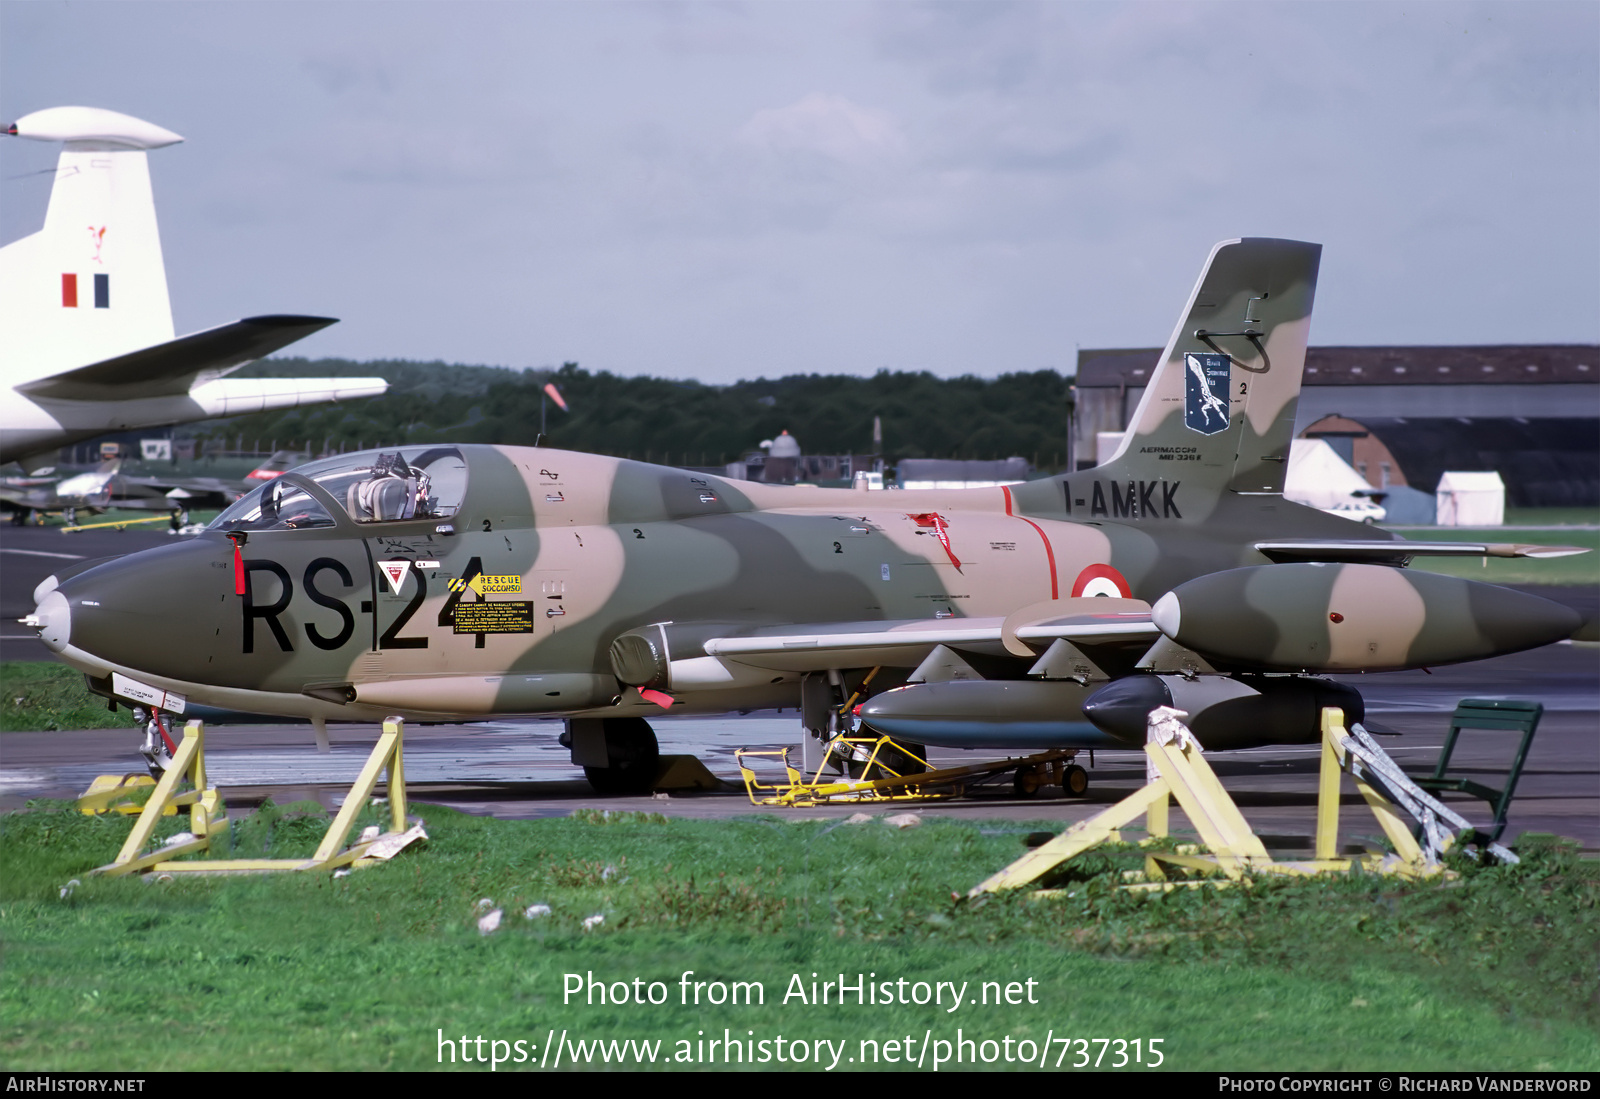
[725, 595]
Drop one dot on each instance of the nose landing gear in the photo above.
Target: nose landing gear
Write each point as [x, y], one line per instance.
[158, 747]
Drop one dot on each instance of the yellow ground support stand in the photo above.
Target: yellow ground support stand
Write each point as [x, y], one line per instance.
[111, 794]
[1235, 851]
[797, 791]
[205, 814]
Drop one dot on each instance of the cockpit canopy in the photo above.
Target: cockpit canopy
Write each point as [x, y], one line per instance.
[381, 486]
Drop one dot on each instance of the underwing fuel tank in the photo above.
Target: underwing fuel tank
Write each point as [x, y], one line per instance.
[1225, 712]
[1320, 617]
[989, 713]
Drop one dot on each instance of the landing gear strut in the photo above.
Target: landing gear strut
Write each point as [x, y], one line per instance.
[893, 759]
[827, 715]
[157, 747]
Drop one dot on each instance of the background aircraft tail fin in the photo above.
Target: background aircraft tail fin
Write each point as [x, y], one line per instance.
[1219, 411]
[90, 285]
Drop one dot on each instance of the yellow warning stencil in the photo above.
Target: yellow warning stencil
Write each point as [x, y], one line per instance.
[489, 585]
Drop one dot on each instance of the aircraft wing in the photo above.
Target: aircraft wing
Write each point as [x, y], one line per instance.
[815, 647]
[172, 368]
[1400, 551]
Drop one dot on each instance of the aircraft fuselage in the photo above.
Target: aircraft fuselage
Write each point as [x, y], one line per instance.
[551, 555]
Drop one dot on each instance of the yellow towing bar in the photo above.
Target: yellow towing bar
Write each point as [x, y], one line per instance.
[118, 523]
[926, 784]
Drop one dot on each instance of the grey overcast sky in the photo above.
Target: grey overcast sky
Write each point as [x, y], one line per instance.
[725, 190]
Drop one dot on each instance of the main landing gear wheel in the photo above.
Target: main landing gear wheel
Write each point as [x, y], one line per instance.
[1074, 781]
[633, 758]
[893, 759]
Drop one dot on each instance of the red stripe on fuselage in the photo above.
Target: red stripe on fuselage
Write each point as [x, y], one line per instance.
[1050, 554]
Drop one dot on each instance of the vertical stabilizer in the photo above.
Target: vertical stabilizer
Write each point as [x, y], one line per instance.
[91, 284]
[1219, 410]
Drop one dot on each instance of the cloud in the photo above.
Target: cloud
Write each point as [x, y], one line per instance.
[706, 29]
[965, 47]
[341, 73]
[737, 189]
[828, 126]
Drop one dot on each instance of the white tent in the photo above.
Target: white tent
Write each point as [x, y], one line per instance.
[1471, 500]
[1105, 445]
[1319, 478]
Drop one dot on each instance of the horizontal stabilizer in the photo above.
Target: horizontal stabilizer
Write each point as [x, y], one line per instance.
[94, 125]
[170, 369]
[1378, 552]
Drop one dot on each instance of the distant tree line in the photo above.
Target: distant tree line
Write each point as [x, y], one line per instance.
[676, 422]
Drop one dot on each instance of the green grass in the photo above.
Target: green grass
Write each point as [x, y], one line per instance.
[1552, 517]
[39, 695]
[1582, 568]
[1495, 971]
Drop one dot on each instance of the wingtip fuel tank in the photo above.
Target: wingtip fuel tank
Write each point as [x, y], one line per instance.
[1327, 617]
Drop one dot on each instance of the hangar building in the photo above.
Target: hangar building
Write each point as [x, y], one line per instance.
[1404, 415]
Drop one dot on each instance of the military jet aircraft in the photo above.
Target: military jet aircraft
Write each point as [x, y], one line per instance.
[31, 498]
[460, 582]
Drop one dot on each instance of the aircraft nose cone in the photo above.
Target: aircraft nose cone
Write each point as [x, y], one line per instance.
[1167, 615]
[53, 619]
[154, 611]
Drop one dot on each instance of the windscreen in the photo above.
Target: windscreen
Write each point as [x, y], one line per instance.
[379, 486]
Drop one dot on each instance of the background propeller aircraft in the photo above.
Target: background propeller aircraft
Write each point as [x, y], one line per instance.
[84, 306]
[459, 582]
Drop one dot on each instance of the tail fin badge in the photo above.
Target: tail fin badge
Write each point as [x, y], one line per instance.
[1205, 394]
